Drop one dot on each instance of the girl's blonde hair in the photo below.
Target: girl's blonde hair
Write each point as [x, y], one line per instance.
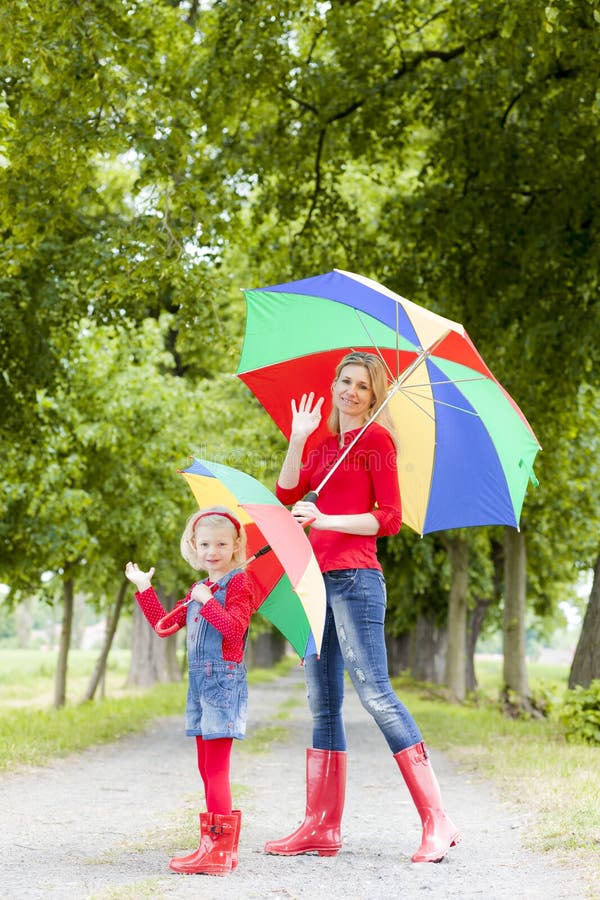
[213, 515]
[379, 386]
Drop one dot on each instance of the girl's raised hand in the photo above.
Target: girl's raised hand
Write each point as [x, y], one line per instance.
[142, 580]
[305, 416]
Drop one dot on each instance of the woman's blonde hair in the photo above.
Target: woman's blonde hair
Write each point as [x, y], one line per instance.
[379, 387]
[213, 515]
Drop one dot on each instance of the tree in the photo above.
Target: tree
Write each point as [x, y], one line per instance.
[434, 159]
[456, 660]
[586, 662]
[104, 209]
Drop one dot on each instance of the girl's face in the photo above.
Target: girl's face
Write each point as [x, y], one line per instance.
[352, 394]
[215, 546]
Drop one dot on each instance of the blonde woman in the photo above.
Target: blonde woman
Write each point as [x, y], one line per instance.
[359, 502]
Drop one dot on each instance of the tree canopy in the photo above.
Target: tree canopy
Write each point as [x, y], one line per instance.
[157, 156]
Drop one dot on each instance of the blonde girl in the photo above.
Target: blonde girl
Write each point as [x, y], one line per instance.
[217, 612]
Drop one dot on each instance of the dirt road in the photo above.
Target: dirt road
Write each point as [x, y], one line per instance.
[102, 824]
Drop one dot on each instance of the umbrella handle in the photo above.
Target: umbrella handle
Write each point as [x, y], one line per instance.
[166, 626]
[311, 497]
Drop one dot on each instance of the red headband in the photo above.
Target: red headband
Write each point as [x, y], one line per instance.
[225, 515]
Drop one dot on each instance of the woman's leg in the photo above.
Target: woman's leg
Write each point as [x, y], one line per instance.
[320, 832]
[358, 601]
[359, 611]
[325, 690]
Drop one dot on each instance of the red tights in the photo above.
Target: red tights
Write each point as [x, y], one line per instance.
[213, 763]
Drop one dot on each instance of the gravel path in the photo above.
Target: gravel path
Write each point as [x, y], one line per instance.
[102, 824]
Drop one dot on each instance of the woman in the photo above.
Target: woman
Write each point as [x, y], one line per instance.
[359, 502]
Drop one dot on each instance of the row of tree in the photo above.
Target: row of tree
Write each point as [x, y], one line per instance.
[156, 156]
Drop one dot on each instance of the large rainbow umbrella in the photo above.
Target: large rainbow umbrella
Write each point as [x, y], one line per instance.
[288, 576]
[466, 449]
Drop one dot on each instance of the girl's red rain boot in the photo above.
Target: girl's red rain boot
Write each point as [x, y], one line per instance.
[325, 794]
[234, 851]
[214, 855]
[439, 832]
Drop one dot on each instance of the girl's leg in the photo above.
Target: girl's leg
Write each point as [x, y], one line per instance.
[358, 601]
[201, 762]
[217, 852]
[217, 755]
[325, 690]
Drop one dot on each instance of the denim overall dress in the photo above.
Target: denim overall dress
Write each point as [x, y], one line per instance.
[217, 697]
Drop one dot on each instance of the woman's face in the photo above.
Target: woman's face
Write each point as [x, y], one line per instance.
[352, 394]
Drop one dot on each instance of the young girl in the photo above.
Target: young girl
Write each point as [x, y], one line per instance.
[217, 613]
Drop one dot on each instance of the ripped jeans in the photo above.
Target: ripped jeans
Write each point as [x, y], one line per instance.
[354, 639]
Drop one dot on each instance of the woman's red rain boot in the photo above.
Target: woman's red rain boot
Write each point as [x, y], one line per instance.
[325, 794]
[439, 832]
[214, 855]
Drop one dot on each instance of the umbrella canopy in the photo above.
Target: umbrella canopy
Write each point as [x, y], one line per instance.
[466, 450]
[289, 577]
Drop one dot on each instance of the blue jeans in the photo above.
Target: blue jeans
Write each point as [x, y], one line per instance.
[354, 639]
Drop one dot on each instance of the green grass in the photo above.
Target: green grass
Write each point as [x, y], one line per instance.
[27, 676]
[556, 784]
[30, 736]
[31, 731]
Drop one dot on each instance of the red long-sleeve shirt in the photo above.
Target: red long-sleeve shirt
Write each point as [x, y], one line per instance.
[231, 620]
[365, 481]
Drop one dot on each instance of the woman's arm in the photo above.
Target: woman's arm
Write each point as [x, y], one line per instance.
[386, 517]
[355, 523]
[305, 420]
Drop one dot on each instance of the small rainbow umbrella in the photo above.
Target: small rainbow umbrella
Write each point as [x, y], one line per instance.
[289, 577]
[466, 450]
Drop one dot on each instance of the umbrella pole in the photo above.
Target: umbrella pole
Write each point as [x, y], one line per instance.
[312, 496]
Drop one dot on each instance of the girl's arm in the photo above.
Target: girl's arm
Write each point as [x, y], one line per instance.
[147, 598]
[154, 611]
[233, 619]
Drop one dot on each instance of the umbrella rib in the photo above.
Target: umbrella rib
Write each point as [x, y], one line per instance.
[419, 407]
[450, 381]
[397, 343]
[409, 396]
[379, 354]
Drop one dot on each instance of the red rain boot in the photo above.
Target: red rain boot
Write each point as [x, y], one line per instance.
[325, 795]
[214, 855]
[439, 832]
[238, 826]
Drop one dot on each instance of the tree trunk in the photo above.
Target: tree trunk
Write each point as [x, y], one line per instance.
[60, 678]
[429, 649]
[515, 573]
[148, 663]
[476, 620]
[398, 653]
[458, 553]
[266, 649]
[98, 675]
[586, 662]
[24, 623]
